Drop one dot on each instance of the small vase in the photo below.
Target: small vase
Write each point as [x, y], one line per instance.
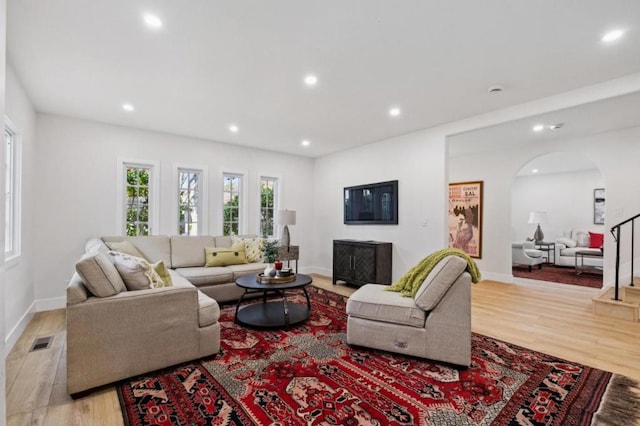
[270, 271]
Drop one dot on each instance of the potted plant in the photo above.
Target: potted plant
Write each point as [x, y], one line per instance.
[270, 253]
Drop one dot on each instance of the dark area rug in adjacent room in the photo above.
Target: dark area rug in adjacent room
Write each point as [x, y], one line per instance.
[559, 274]
[308, 375]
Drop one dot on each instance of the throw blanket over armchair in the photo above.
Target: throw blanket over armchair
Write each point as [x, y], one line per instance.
[434, 324]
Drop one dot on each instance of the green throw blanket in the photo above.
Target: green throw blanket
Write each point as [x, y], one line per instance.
[409, 283]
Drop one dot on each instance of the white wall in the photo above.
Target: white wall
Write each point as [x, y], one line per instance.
[77, 175]
[615, 154]
[19, 294]
[3, 45]
[566, 197]
[418, 162]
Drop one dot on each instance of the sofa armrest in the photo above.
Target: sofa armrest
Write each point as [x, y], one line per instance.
[115, 337]
[560, 246]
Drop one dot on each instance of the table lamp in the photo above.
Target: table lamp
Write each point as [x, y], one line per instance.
[286, 218]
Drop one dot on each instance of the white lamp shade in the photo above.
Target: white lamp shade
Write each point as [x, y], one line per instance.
[286, 217]
[538, 217]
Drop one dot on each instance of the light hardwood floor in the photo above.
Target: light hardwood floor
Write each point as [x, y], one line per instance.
[553, 318]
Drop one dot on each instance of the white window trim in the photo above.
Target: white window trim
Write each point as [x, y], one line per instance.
[278, 202]
[13, 256]
[242, 214]
[154, 194]
[203, 212]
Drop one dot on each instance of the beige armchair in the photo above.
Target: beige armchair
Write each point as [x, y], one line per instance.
[526, 254]
[435, 324]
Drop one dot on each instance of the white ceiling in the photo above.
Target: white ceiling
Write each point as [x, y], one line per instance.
[220, 62]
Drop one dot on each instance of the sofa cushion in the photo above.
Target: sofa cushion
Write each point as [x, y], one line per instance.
[126, 247]
[208, 310]
[188, 252]
[580, 237]
[223, 256]
[571, 252]
[205, 276]
[76, 290]
[438, 282]
[567, 242]
[99, 274]
[373, 302]
[153, 247]
[246, 269]
[252, 247]
[223, 241]
[136, 272]
[535, 253]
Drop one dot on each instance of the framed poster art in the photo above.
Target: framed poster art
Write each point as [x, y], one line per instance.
[465, 217]
[598, 206]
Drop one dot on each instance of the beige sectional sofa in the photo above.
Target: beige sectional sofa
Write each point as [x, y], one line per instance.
[116, 333]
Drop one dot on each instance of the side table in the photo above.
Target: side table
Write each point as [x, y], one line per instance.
[289, 253]
[550, 249]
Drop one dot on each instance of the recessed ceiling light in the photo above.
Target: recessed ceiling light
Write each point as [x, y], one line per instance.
[311, 80]
[233, 128]
[612, 36]
[305, 143]
[534, 170]
[495, 89]
[538, 127]
[556, 126]
[152, 21]
[394, 112]
[127, 107]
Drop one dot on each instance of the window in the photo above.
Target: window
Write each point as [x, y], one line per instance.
[189, 202]
[137, 198]
[231, 201]
[268, 197]
[12, 191]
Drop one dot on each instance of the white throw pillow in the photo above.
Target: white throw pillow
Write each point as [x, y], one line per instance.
[136, 272]
[582, 238]
[567, 242]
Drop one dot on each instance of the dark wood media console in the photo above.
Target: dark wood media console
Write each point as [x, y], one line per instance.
[361, 262]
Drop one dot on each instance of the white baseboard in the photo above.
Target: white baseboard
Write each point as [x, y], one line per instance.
[317, 270]
[16, 332]
[51, 304]
[504, 278]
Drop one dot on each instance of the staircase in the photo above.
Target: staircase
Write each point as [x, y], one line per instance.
[622, 303]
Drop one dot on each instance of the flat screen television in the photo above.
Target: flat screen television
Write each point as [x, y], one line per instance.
[375, 203]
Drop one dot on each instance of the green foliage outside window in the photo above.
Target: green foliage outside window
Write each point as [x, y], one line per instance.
[230, 217]
[137, 202]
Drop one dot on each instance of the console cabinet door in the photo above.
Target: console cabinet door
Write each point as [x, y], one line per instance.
[342, 261]
[364, 264]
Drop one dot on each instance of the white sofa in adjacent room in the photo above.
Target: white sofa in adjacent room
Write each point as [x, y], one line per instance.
[579, 240]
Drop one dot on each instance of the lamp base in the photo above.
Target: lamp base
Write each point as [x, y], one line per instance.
[285, 237]
[538, 236]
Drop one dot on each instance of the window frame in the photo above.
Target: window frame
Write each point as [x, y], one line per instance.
[203, 206]
[276, 203]
[154, 192]
[242, 200]
[15, 163]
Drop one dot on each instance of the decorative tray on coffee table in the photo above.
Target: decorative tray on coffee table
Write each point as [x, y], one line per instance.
[275, 280]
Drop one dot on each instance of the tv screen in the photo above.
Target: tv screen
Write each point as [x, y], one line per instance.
[376, 203]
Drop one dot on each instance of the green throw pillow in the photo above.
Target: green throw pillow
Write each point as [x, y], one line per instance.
[223, 256]
[163, 272]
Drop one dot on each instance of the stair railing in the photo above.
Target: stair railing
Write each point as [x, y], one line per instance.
[615, 231]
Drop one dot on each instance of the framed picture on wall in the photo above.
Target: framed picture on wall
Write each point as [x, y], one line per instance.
[465, 217]
[598, 206]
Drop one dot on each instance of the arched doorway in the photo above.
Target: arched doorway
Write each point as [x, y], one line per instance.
[565, 193]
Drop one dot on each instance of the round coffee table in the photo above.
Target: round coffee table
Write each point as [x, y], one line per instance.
[274, 313]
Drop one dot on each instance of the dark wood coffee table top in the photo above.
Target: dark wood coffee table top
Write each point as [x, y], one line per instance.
[249, 281]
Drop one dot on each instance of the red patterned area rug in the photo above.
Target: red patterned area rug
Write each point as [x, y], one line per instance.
[559, 274]
[308, 375]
